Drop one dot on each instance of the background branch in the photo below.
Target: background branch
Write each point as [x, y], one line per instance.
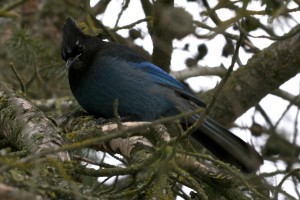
[266, 70]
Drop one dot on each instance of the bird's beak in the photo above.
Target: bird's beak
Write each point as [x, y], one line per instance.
[71, 61]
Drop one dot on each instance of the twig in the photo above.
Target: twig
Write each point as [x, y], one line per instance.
[287, 96]
[196, 186]
[116, 113]
[232, 170]
[124, 7]
[104, 28]
[285, 111]
[23, 88]
[264, 114]
[129, 26]
[201, 119]
[100, 7]
[278, 187]
[100, 164]
[199, 71]
[14, 5]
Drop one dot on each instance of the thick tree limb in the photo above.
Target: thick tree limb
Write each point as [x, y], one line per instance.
[24, 126]
[147, 135]
[15, 193]
[220, 71]
[263, 73]
[162, 43]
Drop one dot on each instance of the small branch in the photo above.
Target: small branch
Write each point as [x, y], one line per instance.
[119, 39]
[193, 182]
[23, 88]
[199, 71]
[123, 146]
[279, 186]
[14, 5]
[99, 24]
[124, 7]
[129, 26]
[116, 113]
[287, 96]
[9, 14]
[288, 107]
[100, 7]
[234, 172]
[148, 11]
[103, 172]
[201, 119]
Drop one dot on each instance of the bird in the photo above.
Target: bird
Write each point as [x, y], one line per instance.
[101, 72]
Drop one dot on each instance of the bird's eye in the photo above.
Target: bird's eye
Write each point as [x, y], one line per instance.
[80, 47]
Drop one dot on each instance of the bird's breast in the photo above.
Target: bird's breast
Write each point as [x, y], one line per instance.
[138, 96]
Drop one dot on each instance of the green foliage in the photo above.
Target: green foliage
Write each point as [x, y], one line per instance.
[36, 62]
[24, 47]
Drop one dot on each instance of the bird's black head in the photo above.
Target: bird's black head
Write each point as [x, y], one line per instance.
[73, 43]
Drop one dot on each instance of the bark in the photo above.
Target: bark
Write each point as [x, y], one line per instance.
[11, 193]
[24, 126]
[263, 74]
[198, 71]
[162, 43]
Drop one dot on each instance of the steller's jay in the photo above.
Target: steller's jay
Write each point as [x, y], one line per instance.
[101, 72]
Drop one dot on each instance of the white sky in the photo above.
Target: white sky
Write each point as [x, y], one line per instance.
[274, 106]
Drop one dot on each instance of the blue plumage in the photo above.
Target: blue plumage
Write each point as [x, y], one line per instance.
[111, 84]
[163, 78]
[101, 72]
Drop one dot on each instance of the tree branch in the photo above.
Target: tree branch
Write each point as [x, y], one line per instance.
[15, 193]
[287, 96]
[198, 71]
[263, 73]
[24, 126]
[162, 43]
[100, 7]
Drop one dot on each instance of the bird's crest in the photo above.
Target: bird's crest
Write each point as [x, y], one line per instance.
[72, 40]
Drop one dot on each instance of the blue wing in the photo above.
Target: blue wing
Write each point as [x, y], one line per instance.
[163, 78]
